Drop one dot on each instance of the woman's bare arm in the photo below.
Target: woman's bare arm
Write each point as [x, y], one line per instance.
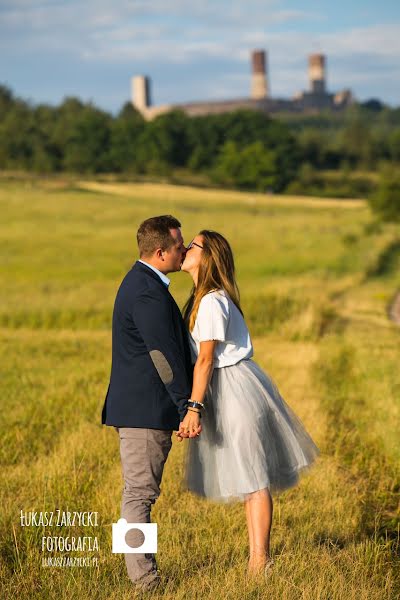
[202, 373]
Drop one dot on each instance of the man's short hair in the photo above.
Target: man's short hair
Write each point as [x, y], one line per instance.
[155, 233]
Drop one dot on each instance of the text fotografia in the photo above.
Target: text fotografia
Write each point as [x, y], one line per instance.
[70, 544]
[59, 518]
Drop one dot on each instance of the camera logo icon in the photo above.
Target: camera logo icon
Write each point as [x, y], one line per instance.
[131, 538]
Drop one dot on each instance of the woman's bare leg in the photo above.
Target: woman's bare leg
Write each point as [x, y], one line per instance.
[260, 506]
[249, 525]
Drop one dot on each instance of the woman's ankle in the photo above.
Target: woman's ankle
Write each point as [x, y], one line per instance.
[258, 559]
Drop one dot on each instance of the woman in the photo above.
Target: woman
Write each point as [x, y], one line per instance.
[250, 442]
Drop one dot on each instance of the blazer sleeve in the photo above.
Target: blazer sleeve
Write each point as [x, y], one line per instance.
[153, 317]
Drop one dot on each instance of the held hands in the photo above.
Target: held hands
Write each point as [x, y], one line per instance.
[190, 427]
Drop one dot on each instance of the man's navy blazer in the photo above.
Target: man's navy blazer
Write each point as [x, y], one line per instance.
[151, 372]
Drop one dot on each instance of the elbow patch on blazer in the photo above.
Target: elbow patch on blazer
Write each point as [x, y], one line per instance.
[162, 365]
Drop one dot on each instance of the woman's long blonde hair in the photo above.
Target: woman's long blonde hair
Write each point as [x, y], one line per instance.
[216, 272]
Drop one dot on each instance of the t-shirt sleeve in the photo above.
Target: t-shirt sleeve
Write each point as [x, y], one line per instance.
[212, 318]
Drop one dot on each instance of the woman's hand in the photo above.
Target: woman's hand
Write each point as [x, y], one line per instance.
[190, 426]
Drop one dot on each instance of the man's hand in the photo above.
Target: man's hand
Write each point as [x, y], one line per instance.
[190, 427]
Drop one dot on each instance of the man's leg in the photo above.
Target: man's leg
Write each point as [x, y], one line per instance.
[143, 455]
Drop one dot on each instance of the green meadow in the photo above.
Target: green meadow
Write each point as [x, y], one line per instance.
[316, 278]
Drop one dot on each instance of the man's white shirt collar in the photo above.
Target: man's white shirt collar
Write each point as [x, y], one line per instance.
[163, 277]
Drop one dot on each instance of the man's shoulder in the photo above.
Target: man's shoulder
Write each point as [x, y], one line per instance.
[141, 278]
[146, 286]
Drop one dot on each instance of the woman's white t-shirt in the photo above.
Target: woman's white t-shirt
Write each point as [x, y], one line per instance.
[218, 318]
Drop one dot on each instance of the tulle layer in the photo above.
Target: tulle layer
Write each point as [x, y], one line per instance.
[251, 438]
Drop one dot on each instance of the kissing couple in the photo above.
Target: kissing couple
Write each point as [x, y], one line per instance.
[244, 441]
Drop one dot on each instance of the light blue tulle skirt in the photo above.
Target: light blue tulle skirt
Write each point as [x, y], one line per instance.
[251, 439]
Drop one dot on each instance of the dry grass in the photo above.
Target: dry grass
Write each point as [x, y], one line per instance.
[333, 354]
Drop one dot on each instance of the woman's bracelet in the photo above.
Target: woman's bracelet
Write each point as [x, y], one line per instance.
[195, 410]
[194, 404]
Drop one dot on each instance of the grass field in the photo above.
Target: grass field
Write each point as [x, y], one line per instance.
[315, 276]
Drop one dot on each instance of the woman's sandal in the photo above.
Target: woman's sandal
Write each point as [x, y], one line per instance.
[268, 567]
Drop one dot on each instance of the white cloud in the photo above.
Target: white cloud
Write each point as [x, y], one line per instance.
[133, 33]
[90, 15]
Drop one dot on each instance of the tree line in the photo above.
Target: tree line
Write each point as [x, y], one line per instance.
[325, 154]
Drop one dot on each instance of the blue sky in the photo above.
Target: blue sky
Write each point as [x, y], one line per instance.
[195, 49]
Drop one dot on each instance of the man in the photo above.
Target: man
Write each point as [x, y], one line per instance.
[151, 377]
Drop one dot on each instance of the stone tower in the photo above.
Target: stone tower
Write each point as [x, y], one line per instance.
[316, 73]
[141, 93]
[259, 83]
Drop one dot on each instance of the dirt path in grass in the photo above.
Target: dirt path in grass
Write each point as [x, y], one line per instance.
[394, 308]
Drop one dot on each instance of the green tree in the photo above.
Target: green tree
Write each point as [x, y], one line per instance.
[88, 142]
[164, 143]
[18, 133]
[126, 131]
[46, 153]
[6, 99]
[386, 201]
[205, 137]
[253, 167]
[394, 145]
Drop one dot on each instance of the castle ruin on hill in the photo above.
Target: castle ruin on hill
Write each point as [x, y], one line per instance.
[317, 98]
